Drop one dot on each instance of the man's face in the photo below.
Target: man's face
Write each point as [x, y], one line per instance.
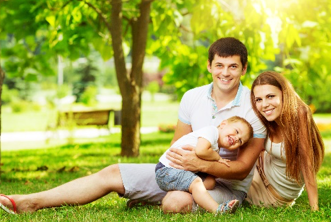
[226, 72]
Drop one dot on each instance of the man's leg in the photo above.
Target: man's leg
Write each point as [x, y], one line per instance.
[182, 202]
[177, 202]
[77, 192]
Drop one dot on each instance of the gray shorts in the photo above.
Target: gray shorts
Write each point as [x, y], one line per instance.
[139, 183]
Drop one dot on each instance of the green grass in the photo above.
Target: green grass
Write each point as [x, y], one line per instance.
[20, 175]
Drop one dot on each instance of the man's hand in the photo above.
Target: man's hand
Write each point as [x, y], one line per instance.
[185, 159]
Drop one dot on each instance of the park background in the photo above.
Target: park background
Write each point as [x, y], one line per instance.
[140, 56]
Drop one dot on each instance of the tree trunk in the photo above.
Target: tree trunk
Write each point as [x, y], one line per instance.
[131, 110]
[130, 84]
[2, 77]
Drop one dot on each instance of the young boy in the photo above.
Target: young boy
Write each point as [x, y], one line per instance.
[230, 134]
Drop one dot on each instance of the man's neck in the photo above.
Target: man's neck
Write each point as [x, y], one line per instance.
[223, 98]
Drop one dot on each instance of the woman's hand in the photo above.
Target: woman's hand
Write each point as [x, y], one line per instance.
[185, 159]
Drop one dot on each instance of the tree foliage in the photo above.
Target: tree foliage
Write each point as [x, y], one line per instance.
[290, 36]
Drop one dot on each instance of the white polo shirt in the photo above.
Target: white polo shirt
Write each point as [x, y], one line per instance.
[198, 109]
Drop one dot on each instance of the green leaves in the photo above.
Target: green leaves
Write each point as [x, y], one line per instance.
[293, 36]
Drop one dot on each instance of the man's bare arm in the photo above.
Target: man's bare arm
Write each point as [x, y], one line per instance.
[181, 130]
[239, 169]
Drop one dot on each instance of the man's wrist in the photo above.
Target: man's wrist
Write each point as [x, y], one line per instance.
[203, 165]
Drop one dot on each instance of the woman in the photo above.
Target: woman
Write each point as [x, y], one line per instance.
[294, 149]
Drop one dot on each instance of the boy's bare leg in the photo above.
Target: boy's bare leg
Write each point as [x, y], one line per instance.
[201, 196]
[77, 192]
[209, 182]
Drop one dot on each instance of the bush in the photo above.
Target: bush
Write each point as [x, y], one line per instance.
[19, 106]
[62, 91]
[89, 96]
[167, 128]
[9, 95]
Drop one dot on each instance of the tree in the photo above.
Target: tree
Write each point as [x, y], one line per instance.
[70, 26]
[178, 32]
[173, 28]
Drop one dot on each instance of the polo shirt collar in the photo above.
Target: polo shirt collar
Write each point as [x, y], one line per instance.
[236, 101]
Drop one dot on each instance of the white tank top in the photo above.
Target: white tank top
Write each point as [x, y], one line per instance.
[275, 167]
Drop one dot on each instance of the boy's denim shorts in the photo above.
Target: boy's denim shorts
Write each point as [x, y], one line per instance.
[170, 179]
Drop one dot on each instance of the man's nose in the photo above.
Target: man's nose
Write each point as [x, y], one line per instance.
[225, 71]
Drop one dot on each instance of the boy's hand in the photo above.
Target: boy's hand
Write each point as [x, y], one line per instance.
[224, 161]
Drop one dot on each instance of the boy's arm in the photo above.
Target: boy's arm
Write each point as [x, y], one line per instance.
[239, 169]
[204, 151]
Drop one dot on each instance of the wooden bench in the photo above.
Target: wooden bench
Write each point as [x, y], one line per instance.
[72, 118]
[98, 118]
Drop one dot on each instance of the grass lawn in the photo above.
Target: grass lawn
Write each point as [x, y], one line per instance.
[28, 171]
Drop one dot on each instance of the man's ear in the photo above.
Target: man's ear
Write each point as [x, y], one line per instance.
[208, 66]
[244, 70]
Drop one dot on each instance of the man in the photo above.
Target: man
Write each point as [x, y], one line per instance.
[202, 106]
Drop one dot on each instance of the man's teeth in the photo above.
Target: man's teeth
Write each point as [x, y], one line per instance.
[225, 80]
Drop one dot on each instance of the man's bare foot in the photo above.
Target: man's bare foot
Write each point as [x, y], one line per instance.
[7, 204]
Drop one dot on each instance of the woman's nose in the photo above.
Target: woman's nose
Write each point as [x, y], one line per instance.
[265, 103]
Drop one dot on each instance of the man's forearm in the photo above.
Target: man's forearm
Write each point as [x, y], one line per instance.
[235, 170]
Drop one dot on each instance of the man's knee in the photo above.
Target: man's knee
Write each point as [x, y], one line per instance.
[177, 202]
[112, 178]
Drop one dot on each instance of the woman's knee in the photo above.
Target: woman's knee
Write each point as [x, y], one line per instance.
[177, 202]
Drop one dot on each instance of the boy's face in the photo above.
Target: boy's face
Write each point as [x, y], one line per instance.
[232, 135]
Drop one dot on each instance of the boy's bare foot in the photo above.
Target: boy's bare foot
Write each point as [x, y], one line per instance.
[228, 207]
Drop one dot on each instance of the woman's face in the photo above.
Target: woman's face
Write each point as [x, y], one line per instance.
[268, 101]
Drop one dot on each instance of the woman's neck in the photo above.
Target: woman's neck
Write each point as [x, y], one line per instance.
[276, 135]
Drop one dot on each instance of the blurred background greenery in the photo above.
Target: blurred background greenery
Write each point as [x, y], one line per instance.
[59, 54]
